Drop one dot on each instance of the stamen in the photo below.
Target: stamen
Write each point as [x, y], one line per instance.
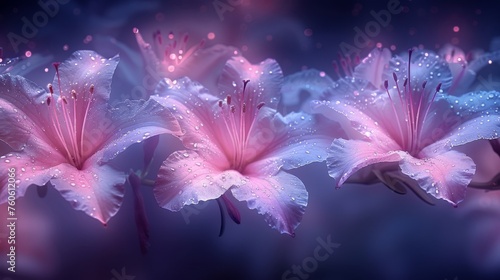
[260, 105]
[220, 103]
[228, 100]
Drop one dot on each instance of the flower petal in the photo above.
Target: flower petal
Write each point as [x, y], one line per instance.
[345, 157]
[444, 176]
[27, 171]
[129, 122]
[20, 115]
[281, 199]
[193, 107]
[374, 68]
[462, 119]
[264, 86]
[187, 178]
[96, 190]
[315, 84]
[83, 69]
[292, 141]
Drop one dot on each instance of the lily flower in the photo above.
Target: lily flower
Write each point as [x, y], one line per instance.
[171, 58]
[406, 133]
[236, 141]
[69, 135]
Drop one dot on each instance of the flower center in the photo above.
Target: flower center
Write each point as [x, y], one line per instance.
[67, 122]
[171, 53]
[238, 126]
[410, 110]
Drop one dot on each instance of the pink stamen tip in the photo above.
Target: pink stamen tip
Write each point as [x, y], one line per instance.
[228, 99]
[260, 105]
[64, 100]
[386, 84]
[233, 109]
[395, 77]
[73, 94]
[56, 65]
[220, 103]
[91, 89]
[135, 30]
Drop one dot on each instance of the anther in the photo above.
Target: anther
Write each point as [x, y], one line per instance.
[51, 89]
[64, 99]
[245, 82]
[395, 77]
[260, 105]
[244, 107]
[438, 88]
[48, 101]
[386, 84]
[73, 94]
[228, 100]
[233, 109]
[220, 103]
[91, 89]
[423, 85]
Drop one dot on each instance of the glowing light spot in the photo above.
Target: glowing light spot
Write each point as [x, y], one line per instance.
[456, 28]
[490, 62]
[211, 36]
[322, 74]
[308, 32]
[1, 60]
[135, 30]
[393, 47]
[379, 45]
[172, 56]
[171, 68]
[65, 47]
[27, 54]
[87, 39]
[46, 70]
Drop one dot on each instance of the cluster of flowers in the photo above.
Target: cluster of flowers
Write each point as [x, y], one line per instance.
[389, 119]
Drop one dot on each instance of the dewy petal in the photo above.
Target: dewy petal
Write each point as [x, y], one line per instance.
[265, 78]
[194, 109]
[425, 66]
[291, 141]
[187, 178]
[356, 123]
[83, 69]
[96, 190]
[281, 199]
[306, 85]
[374, 68]
[20, 115]
[462, 119]
[345, 157]
[444, 176]
[205, 65]
[27, 172]
[129, 122]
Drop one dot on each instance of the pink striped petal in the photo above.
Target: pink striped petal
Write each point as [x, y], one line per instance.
[444, 176]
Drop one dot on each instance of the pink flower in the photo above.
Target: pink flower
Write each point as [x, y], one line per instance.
[464, 68]
[171, 58]
[237, 141]
[69, 135]
[406, 132]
